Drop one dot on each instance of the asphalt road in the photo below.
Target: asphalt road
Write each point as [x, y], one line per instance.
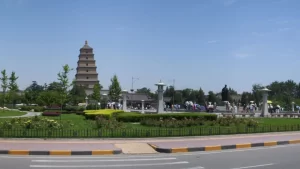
[279, 157]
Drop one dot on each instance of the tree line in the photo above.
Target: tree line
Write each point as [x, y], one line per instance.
[282, 93]
[64, 91]
[61, 92]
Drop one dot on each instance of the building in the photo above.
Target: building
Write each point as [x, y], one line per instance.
[86, 71]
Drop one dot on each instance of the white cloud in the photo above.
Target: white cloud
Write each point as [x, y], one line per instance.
[212, 41]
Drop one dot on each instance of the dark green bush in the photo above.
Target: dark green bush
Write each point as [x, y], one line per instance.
[136, 117]
[35, 108]
[172, 122]
[71, 108]
[229, 121]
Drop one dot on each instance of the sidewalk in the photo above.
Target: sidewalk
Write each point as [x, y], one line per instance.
[138, 146]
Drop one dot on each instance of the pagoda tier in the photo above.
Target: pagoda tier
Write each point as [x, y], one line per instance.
[86, 71]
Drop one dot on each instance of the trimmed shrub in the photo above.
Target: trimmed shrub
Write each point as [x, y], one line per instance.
[51, 114]
[105, 113]
[135, 117]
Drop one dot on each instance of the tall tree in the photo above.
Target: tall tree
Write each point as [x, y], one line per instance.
[64, 81]
[54, 86]
[114, 89]
[257, 93]
[32, 92]
[4, 84]
[49, 98]
[13, 88]
[211, 97]
[96, 92]
[77, 95]
[144, 90]
[201, 96]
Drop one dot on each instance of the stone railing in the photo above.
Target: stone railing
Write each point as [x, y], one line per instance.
[237, 114]
[286, 115]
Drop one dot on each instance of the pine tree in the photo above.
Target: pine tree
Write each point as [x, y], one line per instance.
[114, 89]
[96, 92]
[201, 96]
[4, 84]
[13, 88]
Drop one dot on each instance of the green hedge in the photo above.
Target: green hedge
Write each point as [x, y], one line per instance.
[137, 117]
[35, 108]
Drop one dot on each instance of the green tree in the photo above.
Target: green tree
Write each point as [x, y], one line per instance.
[211, 97]
[114, 89]
[4, 85]
[32, 92]
[64, 81]
[48, 98]
[144, 90]
[201, 96]
[96, 92]
[54, 86]
[13, 88]
[77, 95]
[257, 93]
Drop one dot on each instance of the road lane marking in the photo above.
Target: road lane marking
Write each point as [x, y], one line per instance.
[106, 166]
[199, 167]
[149, 156]
[254, 166]
[108, 160]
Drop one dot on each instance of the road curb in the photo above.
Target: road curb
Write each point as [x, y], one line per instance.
[61, 152]
[223, 147]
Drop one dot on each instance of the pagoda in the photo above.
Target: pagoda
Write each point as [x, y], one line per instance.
[86, 71]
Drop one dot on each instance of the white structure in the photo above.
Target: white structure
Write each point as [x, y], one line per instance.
[265, 111]
[293, 106]
[143, 108]
[86, 101]
[124, 94]
[160, 92]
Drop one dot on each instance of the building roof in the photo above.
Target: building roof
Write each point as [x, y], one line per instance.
[138, 97]
[86, 46]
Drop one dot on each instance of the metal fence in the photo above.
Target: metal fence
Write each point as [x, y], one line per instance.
[138, 133]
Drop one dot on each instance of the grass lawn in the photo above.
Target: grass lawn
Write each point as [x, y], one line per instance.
[11, 113]
[79, 121]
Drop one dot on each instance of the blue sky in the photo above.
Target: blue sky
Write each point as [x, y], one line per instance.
[199, 43]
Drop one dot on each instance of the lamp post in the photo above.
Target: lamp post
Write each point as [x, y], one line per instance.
[105, 97]
[133, 79]
[265, 111]
[160, 91]
[86, 102]
[124, 93]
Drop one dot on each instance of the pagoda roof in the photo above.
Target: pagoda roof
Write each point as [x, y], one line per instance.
[86, 46]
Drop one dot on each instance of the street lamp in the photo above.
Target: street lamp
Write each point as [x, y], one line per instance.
[104, 97]
[86, 101]
[133, 79]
